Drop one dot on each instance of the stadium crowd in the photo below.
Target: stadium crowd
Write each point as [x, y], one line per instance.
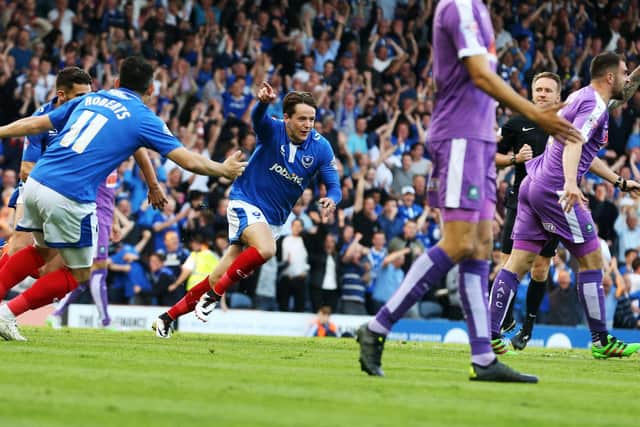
[368, 64]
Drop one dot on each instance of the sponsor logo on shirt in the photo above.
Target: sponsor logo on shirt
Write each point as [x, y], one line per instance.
[283, 172]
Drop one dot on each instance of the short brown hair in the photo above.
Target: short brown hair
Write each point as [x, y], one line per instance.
[604, 63]
[69, 76]
[294, 98]
[547, 75]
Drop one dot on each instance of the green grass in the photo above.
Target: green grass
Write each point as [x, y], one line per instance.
[75, 377]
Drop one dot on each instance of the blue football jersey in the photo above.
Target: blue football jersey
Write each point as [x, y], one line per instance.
[34, 145]
[97, 132]
[279, 170]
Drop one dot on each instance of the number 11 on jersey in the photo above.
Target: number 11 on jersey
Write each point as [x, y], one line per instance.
[83, 131]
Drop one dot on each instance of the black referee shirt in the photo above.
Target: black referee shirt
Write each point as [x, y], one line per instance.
[517, 132]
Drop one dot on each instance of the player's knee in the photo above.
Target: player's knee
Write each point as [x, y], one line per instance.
[483, 248]
[465, 248]
[267, 251]
[591, 261]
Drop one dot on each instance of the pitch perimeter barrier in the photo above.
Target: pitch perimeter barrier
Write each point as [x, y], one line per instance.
[253, 322]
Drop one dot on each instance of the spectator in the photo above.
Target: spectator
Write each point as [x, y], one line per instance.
[295, 271]
[403, 175]
[9, 179]
[198, 265]
[322, 326]
[166, 221]
[174, 254]
[604, 213]
[565, 307]
[354, 277]
[408, 240]
[62, 19]
[365, 218]
[323, 272]
[235, 102]
[629, 256]
[389, 278]
[130, 284]
[22, 52]
[633, 277]
[375, 256]
[408, 209]
[297, 213]
[161, 279]
[357, 141]
[389, 220]
[627, 227]
[266, 288]
[419, 165]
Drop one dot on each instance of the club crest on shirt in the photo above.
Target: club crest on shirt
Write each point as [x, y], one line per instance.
[307, 161]
[473, 193]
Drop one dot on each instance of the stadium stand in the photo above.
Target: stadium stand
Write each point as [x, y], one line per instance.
[368, 64]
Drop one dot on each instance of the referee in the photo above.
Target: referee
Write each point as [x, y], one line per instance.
[523, 140]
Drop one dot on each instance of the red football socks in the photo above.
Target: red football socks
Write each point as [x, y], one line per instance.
[22, 263]
[3, 260]
[189, 301]
[242, 267]
[44, 291]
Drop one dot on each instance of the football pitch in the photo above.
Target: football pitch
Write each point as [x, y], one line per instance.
[78, 377]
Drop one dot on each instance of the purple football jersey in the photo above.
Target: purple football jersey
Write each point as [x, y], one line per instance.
[461, 28]
[587, 111]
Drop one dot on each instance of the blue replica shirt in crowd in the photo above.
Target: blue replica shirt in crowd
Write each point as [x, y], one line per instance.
[97, 132]
[34, 145]
[232, 106]
[279, 170]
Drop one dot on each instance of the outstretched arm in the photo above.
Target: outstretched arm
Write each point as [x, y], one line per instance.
[601, 169]
[27, 126]
[261, 123]
[231, 168]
